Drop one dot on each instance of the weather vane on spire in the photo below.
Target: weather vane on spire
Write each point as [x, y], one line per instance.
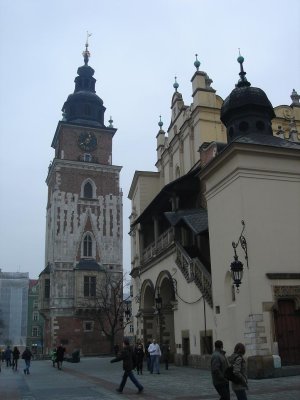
[86, 54]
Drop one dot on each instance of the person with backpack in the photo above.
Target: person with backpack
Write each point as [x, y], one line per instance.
[139, 356]
[166, 353]
[60, 353]
[16, 356]
[219, 364]
[26, 356]
[127, 356]
[239, 381]
[7, 356]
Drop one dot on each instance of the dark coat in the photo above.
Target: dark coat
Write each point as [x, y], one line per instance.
[26, 355]
[127, 357]
[239, 370]
[16, 354]
[139, 353]
[7, 354]
[60, 351]
[219, 364]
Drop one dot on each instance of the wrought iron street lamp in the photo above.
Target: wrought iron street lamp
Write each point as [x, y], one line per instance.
[237, 267]
[158, 303]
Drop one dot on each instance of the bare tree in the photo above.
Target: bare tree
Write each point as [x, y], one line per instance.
[109, 308]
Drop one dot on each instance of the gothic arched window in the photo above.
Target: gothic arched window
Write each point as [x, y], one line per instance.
[88, 187]
[87, 246]
[88, 190]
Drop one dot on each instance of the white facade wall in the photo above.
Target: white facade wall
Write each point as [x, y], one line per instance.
[263, 190]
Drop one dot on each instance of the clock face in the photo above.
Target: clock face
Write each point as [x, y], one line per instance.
[87, 141]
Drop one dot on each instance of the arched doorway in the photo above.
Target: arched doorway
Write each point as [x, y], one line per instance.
[148, 311]
[287, 328]
[166, 290]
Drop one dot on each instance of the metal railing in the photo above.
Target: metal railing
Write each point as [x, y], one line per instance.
[194, 271]
[162, 243]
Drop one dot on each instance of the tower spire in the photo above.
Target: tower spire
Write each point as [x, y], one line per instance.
[86, 54]
[197, 63]
[176, 84]
[243, 81]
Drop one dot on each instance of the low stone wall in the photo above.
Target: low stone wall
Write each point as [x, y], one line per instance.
[194, 361]
[258, 367]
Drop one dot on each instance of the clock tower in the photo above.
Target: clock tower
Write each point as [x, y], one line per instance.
[84, 219]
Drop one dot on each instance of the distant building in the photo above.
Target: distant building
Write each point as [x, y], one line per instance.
[35, 323]
[84, 221]
[13, 307]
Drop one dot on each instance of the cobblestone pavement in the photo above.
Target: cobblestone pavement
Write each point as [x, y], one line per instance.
[97, 379]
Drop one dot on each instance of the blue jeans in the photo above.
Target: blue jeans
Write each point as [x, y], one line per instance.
[154, 363]
[241, 394]
[27, 366]
[130, 375]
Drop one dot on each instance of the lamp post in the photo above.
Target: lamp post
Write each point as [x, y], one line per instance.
[236, 267]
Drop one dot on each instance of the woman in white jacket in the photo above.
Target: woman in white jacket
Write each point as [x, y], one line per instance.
[155, 353]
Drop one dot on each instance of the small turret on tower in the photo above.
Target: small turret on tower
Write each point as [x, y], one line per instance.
[201, 87]
[247, 109]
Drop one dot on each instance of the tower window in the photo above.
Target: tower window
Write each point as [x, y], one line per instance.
[35, 331]
[243, 126]
[35, 316]
[87, 246]
[88, 190]
[260, 125]
[87, 109]
[89, 289]
[47, 288]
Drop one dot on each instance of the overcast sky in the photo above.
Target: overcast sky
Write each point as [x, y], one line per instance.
[137, 47]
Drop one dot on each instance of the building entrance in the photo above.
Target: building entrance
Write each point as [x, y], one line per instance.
[287, 327]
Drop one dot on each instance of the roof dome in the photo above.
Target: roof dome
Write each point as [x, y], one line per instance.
[84, 106]
[243, 98]
[247, 109]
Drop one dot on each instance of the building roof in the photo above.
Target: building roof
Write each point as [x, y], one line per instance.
[267, 140]
[186, 185]
[89, 265]
[195, 219]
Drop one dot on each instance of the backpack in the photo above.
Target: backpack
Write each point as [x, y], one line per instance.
[229, 375]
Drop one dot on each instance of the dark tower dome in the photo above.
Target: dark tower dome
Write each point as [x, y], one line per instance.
[84, 106]
[247, 109]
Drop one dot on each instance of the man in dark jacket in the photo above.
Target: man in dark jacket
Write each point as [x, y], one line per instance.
[27, 355]
[127, 357]
[218, 366]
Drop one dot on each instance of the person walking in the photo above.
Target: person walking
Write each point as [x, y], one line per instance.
[155, 353]
[166, 353]
[148, 358]
[53, 356]
[26, 356]
[7, 356]
[239, 370]
[126, 356]
[60, 351]
[16, 356]
[219, 364]
[139, 356]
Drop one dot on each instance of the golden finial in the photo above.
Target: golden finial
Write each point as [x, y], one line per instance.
[86, 54]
